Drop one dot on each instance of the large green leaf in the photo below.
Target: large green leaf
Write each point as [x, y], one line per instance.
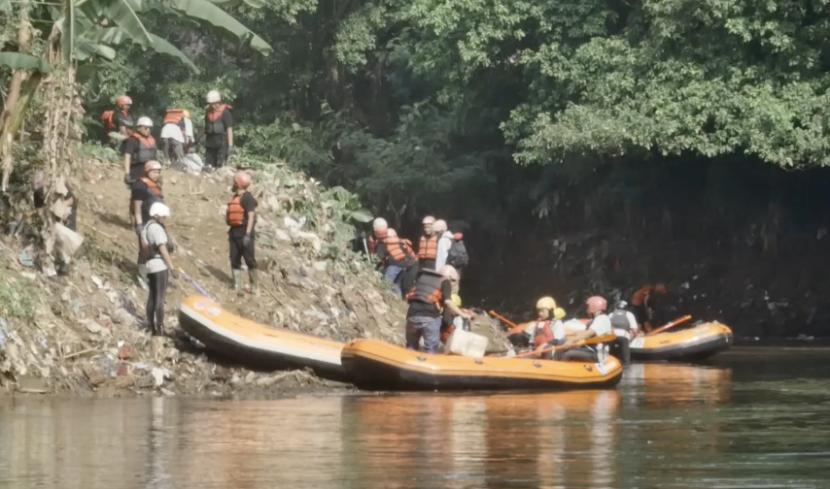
[205, 10]
[123, 14]
[21, 61]
[161, 45]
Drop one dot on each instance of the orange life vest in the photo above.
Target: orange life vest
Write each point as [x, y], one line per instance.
[152, 186]
[428, 248]
[235, 215]
[108, 118]
[428, 289]
[146, 148]
[174, 116]
[395, 248]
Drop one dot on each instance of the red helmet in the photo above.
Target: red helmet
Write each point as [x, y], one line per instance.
[596, 304]
[242, 180]
[123, 100]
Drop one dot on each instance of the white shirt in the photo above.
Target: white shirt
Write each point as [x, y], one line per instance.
[173, 131]
[601, 325]
[444, 243]
[632, 327]
[154, 234]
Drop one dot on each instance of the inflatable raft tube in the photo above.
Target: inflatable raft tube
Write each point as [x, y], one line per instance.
[377, 365]
[257, 345]
[686, 345]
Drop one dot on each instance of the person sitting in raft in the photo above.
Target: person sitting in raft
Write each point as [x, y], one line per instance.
[427, 300]
[645, 305]
[625, 328]
[599, 325]
[545, 331]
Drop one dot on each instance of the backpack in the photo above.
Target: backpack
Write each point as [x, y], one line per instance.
[457, 256]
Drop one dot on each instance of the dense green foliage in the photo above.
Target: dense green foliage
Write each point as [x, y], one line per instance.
[404, 101]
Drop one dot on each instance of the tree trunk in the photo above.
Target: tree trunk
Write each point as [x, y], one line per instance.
[21, 88]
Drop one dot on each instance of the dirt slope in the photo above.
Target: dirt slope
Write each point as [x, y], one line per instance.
[86, 332]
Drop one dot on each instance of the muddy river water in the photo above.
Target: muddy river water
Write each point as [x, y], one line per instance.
[755, 418]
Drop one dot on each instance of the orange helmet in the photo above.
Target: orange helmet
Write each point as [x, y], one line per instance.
[123, 100]
[596, 304]
[242, 180]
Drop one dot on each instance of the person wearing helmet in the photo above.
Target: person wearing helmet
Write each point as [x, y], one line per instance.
[645, 304]
[241, 219]
[599, 325]
[427, 299]
[143, 194]
[176, 134]
[218, 130]
[625, 328]
[118, 123]
[546, 330]
[138, 149]
[428, 245]
[156, 241]
[395, 257]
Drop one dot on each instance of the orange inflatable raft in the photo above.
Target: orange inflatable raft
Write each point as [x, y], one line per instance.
[377, 365]
[255, 344]
[692, 344]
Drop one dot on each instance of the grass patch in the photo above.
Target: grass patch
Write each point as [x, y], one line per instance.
[17, 300]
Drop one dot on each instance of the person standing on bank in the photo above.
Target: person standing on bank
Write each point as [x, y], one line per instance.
[241, 219]
[218, 131]
[427, 300]
[428, 245]
[155, 239]
[144, 193]
[138, 149]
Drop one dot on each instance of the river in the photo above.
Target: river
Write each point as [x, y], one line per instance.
[756, 418]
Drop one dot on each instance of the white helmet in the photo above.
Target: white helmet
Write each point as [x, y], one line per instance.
[213, 97]
[144, 121]
[439, 226]
[159, 210]
[379, 224]
[391, 233]
[449, 271]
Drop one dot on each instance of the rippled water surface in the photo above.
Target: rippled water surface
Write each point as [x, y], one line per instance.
[757, 418]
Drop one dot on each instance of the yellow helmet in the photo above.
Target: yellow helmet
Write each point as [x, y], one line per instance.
[559, 313]
[546, 302]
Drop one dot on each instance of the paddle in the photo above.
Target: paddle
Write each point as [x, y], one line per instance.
[670, 325]
[590, 341]
[503, 319]
[195, 284]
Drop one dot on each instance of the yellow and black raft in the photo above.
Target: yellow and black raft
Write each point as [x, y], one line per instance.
[377, 365]
[686, 345]
[254, 344]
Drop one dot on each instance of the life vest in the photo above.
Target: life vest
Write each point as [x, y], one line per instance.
[174, 116]
[146, 148]
[152, 187]
[619, 320]
[395, 249]
[213, 120]
[543, 333]
[109, 118]
[235, 215]
[427, 289]
[428, 248]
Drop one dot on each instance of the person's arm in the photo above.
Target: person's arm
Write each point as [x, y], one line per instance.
[230, 137]
[250, 227]
[455, 310]
[127, 158]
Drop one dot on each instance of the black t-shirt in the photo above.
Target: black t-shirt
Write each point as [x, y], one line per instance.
[213, 140]
[120, 120]
[422, 309]
[141, 192]
[248, 203]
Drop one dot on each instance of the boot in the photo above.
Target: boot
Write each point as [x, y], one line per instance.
[252, 277]
[237, 281]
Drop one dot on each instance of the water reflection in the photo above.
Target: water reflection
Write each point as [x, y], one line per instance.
[698, 425]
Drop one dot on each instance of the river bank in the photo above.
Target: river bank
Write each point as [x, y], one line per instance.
[83, 333]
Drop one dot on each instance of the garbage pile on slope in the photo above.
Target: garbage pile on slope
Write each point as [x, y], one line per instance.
[84, 332]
